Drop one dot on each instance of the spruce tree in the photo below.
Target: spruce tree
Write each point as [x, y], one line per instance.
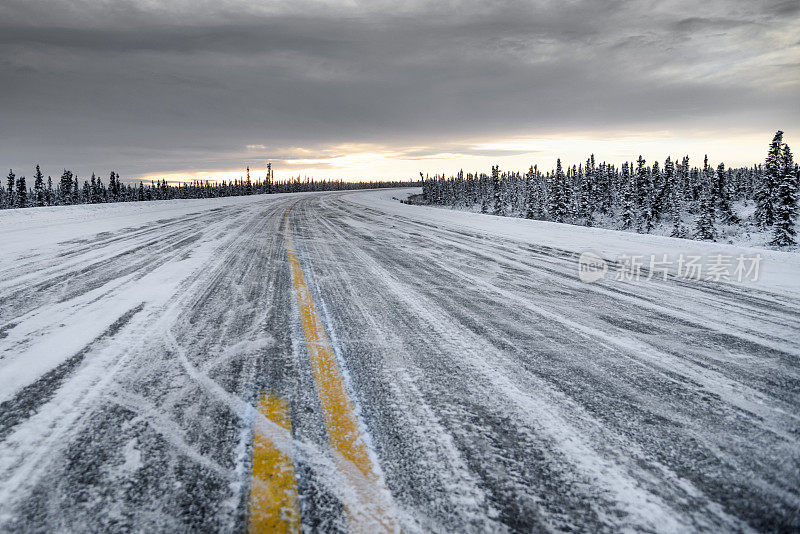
[93, 196]
[667, 184]
[628, 197]
[22, 193]
[678, 179]
[531, 200]
[102, 192]
[38, 187]
[641, 183]
[540, 194]
[644, 193]
[662, 189]
[459, 190]
[768, 183]
[65, 187]
[484, 187]
[784, 232]
[586, 194]
[11, 182]
[427, 198]
[572, 190]
[113, 186]
[645, 197]
[694, 186]
[559, 194]
[722, 197]
[610, 179]
[705, 222]
[498, 196]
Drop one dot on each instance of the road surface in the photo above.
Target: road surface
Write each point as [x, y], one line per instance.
[322, 361]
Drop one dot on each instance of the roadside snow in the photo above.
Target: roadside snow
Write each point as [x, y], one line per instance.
[779, 272]
[27, 230]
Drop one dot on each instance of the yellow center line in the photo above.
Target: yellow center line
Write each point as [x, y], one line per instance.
[371, 508]
[274, 505]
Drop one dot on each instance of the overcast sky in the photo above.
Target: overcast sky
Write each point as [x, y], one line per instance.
[362, 89]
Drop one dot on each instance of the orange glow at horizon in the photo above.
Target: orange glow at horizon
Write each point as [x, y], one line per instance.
[372, 161]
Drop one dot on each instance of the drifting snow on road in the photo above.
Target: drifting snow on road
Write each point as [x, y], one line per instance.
[342, 361]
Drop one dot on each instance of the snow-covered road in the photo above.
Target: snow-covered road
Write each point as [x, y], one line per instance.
[435, 370]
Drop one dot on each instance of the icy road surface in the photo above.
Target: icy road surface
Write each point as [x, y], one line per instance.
[348, 362]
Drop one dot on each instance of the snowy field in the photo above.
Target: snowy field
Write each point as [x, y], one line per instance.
[495, 389]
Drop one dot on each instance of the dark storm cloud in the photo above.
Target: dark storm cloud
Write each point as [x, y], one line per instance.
[308, 36]
[787, 7]
[699, 24]
[466, 150]
[142, 87]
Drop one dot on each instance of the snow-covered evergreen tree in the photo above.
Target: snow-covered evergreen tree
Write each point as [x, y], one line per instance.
[459, 190]
[628, 197]
[50, 194]
[427, 195]
[586, 193]
[65, 187]
[497, 207]
[768, 183]
[722, 197]
[21, 196]
[705, 228]
[559, 198]
[531, 199]
[540, 192]
[114, 187]
[786, 195]
[661, 190]
[668, 183]
[644, 197]
[608, 191]
[10, 184]
[484, 195]
[93, 189]
[640, 192]
[76, 191]
[38, 187]
[678, 180]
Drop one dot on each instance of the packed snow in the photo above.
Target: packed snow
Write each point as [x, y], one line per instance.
[497, 389]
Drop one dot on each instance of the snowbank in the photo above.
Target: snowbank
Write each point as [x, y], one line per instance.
[779, 272]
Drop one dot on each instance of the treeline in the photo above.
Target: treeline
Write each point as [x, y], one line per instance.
[17, 193]
[694, 201]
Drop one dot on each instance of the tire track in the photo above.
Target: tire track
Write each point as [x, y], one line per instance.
[629, 405]
[28, 400]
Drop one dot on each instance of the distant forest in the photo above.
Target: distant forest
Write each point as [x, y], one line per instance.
[17, 193]
[674, 197]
